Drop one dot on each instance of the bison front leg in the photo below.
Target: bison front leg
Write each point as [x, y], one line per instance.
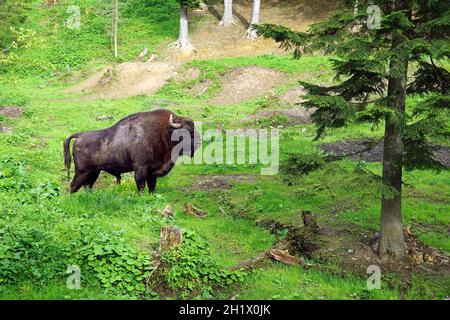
[140, 176]
[151, 183]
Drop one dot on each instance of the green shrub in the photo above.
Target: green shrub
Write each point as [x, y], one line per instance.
[105, 258]
[191, 269]
[29, 255]
[13, 175]
[301, 164]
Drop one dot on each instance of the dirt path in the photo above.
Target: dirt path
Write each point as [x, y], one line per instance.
[214, 41]
[357, 149]
[211, 41]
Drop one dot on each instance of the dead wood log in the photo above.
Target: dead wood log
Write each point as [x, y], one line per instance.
[309, 221]
[167, 212]
[285, 257]
[251, 263]
[193, 211]
[169, 237]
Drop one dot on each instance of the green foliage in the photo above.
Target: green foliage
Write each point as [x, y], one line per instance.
[28, 255]
[46, 190]
[13, 175]
[12, 15]
[287, 38]
[110, 261]
[192, 4]
[44, 46]
[301, 164]
[273, 120]
[366, 60]
[429, 78]
[157, 11]
[191, 269]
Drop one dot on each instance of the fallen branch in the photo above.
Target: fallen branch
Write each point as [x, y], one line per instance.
[285, 257]
[193, 211]
[251, 263]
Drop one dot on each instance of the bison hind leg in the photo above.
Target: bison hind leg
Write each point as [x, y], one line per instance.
[91, 179]
[117, 175]
[78, 181]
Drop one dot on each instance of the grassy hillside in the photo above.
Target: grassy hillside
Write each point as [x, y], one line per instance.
[112, 232]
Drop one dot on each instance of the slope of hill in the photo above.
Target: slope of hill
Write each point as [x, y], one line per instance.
[59, 81]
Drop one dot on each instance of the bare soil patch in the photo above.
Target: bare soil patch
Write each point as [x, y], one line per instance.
[208, 182]
[10, 112]
[126, 80]
[5, 129]
[200, 88]
[356, 150]
[294, 116]
[354, 250]
[293, 96]
[244, 83]
[212, 40]
[187, 75]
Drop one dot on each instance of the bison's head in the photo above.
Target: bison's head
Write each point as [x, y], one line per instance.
[185, 137]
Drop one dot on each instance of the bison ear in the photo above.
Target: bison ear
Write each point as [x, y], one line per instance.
[173, 125]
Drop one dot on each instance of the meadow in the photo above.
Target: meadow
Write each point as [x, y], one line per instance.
[112, 232]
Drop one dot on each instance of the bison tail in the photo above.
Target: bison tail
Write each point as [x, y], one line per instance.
[67, 157]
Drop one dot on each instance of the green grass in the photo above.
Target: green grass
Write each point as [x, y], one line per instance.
[339, 196]
[294, 283]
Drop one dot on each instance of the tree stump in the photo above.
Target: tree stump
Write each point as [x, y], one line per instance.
[309, 221]
[170, 236]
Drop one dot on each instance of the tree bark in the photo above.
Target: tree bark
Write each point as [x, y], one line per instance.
[309, 222]
[392, 244]
[184, 28]
[355, 13]
[251, 32]
[116, 26]
[183, 40]
[170, 237]
[227, 18]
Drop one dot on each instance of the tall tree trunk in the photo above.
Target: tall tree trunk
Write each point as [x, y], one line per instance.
[116, 26]
[184, 28]
[183, 40]
[251, 32]
[392, 244]
[227, 18]
[355, 13]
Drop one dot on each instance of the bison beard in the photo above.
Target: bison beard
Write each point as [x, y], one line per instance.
[141, 142]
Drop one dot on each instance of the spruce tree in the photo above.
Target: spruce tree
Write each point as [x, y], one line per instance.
[376, 67]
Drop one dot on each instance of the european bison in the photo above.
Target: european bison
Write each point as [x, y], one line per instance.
[141, 142]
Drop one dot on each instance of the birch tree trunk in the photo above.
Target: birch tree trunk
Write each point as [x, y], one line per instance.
[227, 18]
[251, 32]
[183, 42]
[184, 28]
[116, 26]
[355, 13]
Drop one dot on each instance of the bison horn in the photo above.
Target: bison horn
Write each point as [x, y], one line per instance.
[174, 125]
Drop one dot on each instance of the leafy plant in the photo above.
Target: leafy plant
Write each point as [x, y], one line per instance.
[301, 164]
[191, 269]
[46, 190]
[107, 259]
[13, 175]
[28, 255]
